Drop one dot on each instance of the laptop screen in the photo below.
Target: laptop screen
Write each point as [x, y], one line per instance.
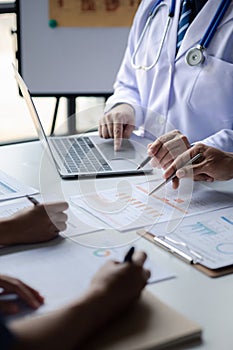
[32, 109]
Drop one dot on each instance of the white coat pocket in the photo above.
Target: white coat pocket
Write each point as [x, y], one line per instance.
[212, 92]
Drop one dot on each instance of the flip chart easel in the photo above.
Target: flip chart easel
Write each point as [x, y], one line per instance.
[66, 61]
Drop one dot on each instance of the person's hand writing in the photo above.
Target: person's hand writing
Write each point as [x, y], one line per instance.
[118, 124]
[9, 286]
[34, 224]
[214, 165]
[120, 283]
[112, 290]
[167, 148]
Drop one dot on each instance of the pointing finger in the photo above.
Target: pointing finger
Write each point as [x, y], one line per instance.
[117, 133]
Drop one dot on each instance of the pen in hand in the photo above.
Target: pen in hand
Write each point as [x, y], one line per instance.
[129, 254]
[144, 162]
[33, 200]
[190, 161]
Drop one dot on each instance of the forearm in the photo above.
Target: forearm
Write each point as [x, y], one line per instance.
[65, 329]
[7, 232]
[113, 288]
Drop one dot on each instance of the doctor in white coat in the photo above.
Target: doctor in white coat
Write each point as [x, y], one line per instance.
[169, 98]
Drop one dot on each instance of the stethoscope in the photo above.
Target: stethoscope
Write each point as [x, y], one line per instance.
[151, 15]
[195, 55]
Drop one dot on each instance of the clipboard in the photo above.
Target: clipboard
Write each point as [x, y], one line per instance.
[185, 257]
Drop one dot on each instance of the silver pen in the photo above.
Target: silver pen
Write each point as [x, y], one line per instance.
[144, 162]
[190, 161]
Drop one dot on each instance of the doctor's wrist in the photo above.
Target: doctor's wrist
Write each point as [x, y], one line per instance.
[122, 104]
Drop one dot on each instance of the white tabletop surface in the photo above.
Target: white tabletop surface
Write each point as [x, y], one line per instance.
[207, 301]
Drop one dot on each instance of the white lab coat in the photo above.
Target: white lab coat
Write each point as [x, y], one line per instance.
[198, 101]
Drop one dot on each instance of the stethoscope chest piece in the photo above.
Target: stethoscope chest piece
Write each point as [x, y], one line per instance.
[195, 56]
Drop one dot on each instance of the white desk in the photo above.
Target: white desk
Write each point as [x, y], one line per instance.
[200, 298]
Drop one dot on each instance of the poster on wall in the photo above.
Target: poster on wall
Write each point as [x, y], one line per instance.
[92, 13]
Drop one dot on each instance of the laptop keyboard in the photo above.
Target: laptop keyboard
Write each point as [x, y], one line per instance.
[79, 155]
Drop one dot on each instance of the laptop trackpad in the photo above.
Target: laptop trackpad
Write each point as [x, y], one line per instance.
[127, 150]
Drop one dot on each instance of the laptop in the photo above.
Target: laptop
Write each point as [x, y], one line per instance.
[88, 154]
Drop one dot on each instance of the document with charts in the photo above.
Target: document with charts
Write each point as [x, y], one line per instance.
[12, 188]
[207, 238]
[130, 207]
[57, 265]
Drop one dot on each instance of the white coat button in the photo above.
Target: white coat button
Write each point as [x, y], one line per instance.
[161, 120]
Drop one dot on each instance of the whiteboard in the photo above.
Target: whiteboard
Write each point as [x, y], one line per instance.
[66, 61]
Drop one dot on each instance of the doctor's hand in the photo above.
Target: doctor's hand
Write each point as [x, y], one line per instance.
[167, 148]
[214, 165]
[15, 287]
[34, 224]
[118, 123]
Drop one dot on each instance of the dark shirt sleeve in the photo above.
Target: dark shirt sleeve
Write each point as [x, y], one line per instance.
[7, 339]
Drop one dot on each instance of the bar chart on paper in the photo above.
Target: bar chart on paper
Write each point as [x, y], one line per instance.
[120, 210]
[133, 208]
[190, 198]
[211, 236]
[200, 228]
[211, 227]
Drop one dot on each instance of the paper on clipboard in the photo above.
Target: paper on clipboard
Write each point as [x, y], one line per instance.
[205, 239]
